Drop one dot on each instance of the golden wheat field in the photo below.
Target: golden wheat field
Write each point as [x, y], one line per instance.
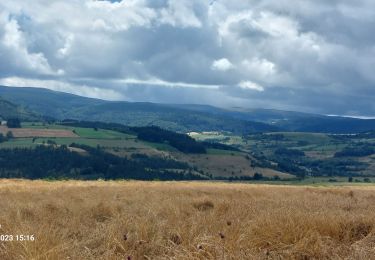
[185, 220]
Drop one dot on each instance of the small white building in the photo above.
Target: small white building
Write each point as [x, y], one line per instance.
[3, 122]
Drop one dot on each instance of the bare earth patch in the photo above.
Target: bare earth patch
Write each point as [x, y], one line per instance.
[29, 132]
[185, 220]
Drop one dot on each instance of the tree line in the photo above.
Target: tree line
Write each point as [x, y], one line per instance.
[59, 162]
[181, 142]
[155, 134]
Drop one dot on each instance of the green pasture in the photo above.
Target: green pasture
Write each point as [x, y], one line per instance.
[82, 132]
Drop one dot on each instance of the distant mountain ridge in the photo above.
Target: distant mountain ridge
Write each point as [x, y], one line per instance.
[67, 106]
[177, 117]
[293, 121]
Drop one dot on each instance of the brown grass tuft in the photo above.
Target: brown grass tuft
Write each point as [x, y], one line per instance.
[176, 239]
[102, 212]
[204, 205]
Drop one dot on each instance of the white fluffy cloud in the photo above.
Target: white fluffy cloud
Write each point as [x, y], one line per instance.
[279, 54]
[16, 54]
[250, 85]
[222, 65]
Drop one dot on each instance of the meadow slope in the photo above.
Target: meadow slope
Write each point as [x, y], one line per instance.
[185, 220]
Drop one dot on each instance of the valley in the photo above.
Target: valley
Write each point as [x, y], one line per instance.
[208, 143]
[213, 163]
[306, 154]
[271, 157]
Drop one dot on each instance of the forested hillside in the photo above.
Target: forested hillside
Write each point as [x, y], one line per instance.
[60, 162]
[10, 110]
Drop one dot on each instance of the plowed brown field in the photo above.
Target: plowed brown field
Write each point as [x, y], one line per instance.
[30, 132]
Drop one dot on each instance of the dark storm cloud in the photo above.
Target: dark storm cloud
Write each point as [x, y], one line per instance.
[315, 56]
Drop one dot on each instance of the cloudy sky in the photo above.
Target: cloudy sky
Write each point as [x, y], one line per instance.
[305, 55]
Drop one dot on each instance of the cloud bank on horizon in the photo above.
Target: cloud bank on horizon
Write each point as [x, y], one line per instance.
[310, 55]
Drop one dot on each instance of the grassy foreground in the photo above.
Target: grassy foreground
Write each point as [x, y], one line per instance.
[154, 220]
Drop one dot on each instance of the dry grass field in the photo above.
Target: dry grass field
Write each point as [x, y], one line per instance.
[30, 132]
[227, 165]
[170, 220]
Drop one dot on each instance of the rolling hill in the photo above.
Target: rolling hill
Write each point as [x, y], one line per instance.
[290, 120]
[182, 118]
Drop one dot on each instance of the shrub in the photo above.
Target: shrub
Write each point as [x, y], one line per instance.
[258, 176]
[14, 123]
[9, 135]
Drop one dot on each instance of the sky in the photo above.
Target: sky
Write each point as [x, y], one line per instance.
[313, 56]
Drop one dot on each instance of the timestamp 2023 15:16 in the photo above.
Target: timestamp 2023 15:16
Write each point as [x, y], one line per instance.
[10, 238]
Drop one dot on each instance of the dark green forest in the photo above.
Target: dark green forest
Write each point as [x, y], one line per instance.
[155, 134]
[59, 163]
